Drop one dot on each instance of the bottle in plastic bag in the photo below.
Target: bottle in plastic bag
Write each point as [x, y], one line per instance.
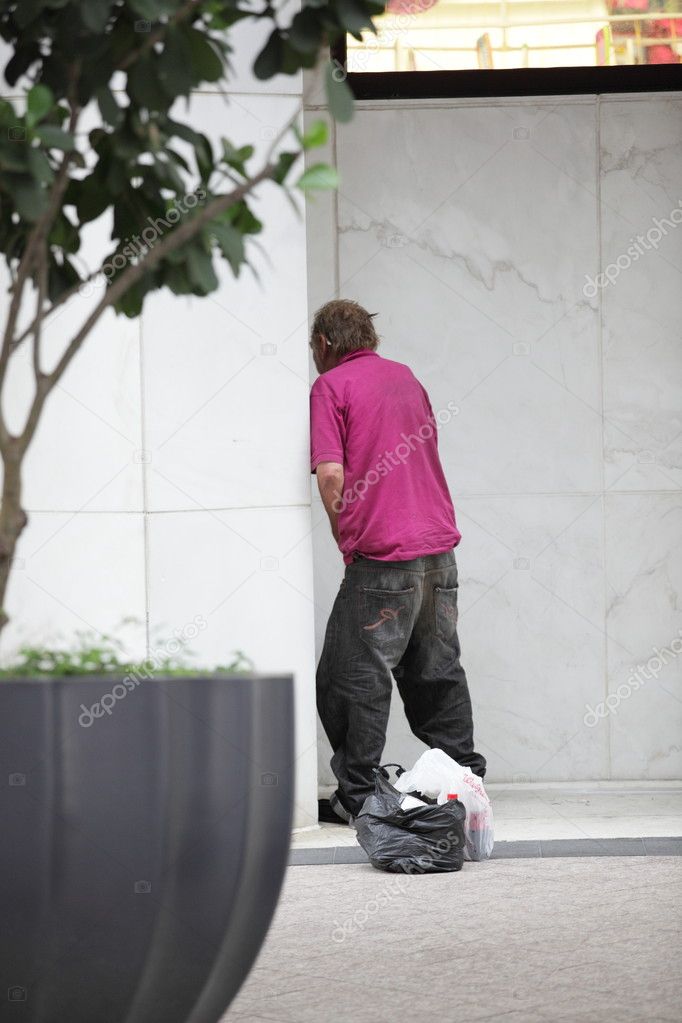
[437, 774]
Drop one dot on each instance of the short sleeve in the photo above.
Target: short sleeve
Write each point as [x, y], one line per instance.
[327, 426]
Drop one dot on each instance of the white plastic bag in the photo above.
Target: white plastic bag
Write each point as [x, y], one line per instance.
[436, 774]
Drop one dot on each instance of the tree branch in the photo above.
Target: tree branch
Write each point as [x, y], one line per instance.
[130, 276]
[64, 297]
[40, 307]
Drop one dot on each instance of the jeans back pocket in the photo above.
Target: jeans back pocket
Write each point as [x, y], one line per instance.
[385, 620]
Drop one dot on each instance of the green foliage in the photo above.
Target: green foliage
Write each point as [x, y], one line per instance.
[318, 177]
[316, 135]
[142, 162]
[339, 95]
[91, 654]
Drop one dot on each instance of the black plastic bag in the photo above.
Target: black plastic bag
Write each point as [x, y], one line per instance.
[423, 840]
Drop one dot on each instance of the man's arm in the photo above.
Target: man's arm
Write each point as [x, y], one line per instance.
[330, 483]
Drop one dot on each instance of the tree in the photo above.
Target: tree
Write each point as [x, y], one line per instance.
[141, 164]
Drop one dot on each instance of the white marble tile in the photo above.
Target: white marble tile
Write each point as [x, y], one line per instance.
[76, 573]
[327, 836]
[644, 617]
[631, 827]
[611, 800]
[641, 170]
[226, 377]
[531, 632]
[248, 574]
[86, 453]
[476, 294]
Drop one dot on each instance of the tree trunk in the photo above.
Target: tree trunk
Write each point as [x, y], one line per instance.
[13, 519]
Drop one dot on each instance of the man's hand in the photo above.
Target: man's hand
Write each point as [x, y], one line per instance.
[330, 483]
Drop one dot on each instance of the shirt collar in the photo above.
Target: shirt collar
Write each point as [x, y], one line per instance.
[356, 355]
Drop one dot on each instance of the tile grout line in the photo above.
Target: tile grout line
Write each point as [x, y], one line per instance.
[335, 225]
[513, 495]
[145, 490]
[501, 102]
[602, 467]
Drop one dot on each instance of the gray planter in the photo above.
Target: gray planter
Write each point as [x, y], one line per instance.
[143, 842]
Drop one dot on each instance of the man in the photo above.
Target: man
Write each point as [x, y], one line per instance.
[374, 450]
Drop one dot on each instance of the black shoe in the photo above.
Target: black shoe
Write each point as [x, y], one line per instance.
[326, 813]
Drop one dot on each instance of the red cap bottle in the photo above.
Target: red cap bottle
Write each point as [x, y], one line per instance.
[452, 795]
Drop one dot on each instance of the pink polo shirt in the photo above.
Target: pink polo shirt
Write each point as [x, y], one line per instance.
[374, 417]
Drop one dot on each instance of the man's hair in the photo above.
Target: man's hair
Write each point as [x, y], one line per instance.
[346, 325]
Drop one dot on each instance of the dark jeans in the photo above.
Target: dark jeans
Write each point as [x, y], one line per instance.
[399, 617]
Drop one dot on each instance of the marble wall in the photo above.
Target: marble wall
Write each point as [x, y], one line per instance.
[169, 477]
[478, 230]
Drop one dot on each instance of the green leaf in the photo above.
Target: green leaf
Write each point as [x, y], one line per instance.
[231, 244]
[64, 234]
[236, 158]
[318, 177]
[305, 34]
[352, 15]
[130, 303]
[95, 14]
[284, 165]
[91, 199]
[202, 147]
[39, 103]
[62, 276]
[7, 114]
[200, 269]
[243, 219]
[271, 58]
[13, 157]
[168, 176]
[153, 9]
[108, 107]
[144, 87]
[29, 198]
[55, 138]
[177, 158]
[207, 64]
[316, 135]
[176, 278]
[25, 54]
[175, 64]
[39, 166]
[339, 96]
[27, 11]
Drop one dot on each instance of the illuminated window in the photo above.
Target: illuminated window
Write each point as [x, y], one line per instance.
[502, 35]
